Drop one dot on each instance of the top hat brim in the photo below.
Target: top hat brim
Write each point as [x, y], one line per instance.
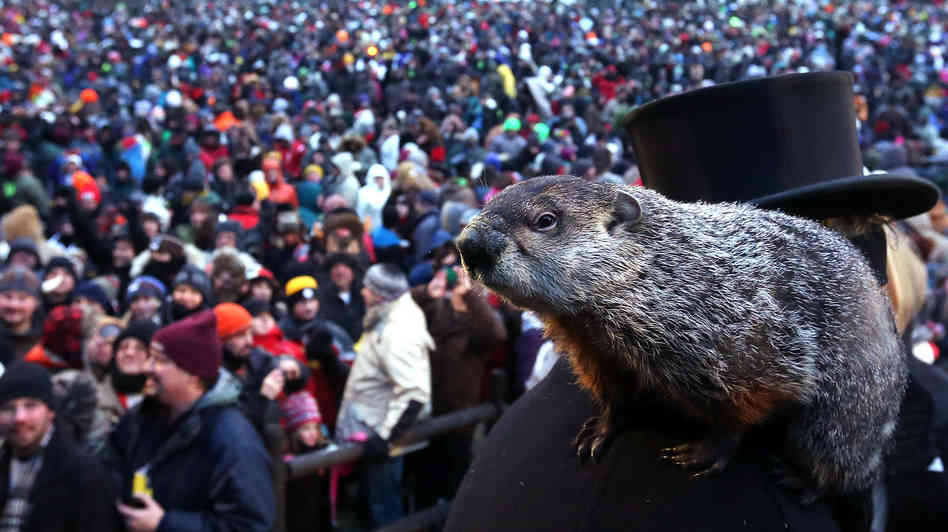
[894, 196]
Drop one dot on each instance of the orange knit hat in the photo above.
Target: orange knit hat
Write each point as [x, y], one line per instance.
[231, 319]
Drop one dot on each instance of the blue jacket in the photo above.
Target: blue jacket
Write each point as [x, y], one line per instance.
[208, 470]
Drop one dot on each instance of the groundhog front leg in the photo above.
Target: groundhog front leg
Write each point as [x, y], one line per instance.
[595, 436]
[707, 456]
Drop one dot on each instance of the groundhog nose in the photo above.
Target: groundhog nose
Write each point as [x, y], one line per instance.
[480, 248]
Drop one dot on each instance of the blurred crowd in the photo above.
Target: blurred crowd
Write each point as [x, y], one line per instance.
[228, 226]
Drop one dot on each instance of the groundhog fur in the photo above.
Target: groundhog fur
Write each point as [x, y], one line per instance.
[728, 314]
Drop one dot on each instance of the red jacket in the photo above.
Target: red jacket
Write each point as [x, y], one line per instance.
[246, 216]
[211, 157]
[292, 161]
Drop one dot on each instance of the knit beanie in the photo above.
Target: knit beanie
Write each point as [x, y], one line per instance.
[20, 279]
[24, 244]
[230, 226]
[386, 280]
[196, 278]
[298, 409]
[140, 329]
[92, 290]
[26, 379]
[299, 288]
[231, 319]
[193, 344]
[145, 285]
[61, 262]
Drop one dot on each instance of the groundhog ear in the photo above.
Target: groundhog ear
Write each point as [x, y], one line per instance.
[626, 211]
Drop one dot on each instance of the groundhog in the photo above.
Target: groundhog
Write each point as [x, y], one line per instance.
[730, 315]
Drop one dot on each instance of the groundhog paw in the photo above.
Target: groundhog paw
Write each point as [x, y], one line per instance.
[703, 458]
[790, 479]
[592, 440]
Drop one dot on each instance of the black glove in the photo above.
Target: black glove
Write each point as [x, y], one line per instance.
[406, 420]
[319, 347]
[375, 447]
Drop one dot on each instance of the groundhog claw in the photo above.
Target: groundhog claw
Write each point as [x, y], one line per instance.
[592, 439]
[791, 480]
[704, 458]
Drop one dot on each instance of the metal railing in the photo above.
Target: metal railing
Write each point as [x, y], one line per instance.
[307, 464]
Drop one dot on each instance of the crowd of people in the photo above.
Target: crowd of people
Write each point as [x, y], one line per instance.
[227, 231]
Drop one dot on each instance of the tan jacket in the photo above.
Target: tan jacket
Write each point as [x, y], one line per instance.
[391, 368]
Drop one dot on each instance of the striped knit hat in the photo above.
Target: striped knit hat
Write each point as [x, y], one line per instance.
[298, 409]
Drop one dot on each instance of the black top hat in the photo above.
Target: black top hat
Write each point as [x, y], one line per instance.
[787, 142]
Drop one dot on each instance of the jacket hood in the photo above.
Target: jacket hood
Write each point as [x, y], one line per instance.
[224, 393]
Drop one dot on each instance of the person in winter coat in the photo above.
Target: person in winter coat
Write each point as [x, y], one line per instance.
[465, 330]
[280, 190]
[264, 378]
[303, 316]
[163, 259]
[21, 313]
[374, 194]
[340, 297]
[188, 458]
[143, 298]
[341, 179]
[325, 371]
[389, 386]
[46, 482]
[427, 224]
[124, 382]
[191, 292]
[307, 498]
[61, 277]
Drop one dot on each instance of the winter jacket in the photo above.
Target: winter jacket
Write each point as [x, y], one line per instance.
[246, 216]
[372, 198]
[208, 470]
[308, 194]
[264, 414]
[463, 341]
[428, 224]
[346, 315]
[390, 370]
[72, 491]
[283, 192]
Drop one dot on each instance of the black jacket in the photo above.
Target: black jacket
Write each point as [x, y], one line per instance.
[72, 491]
[347, 315]
[208, 470]
[526, 476]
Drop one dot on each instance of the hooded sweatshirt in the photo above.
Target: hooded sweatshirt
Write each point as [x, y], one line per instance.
[372, 197]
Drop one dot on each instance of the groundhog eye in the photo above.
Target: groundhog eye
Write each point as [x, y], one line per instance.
[544, 221]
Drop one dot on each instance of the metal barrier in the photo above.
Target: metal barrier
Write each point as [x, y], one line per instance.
[306, 464]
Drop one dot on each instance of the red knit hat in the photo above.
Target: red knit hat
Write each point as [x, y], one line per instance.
[231, 319]
[298, 409]
[193, 344]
